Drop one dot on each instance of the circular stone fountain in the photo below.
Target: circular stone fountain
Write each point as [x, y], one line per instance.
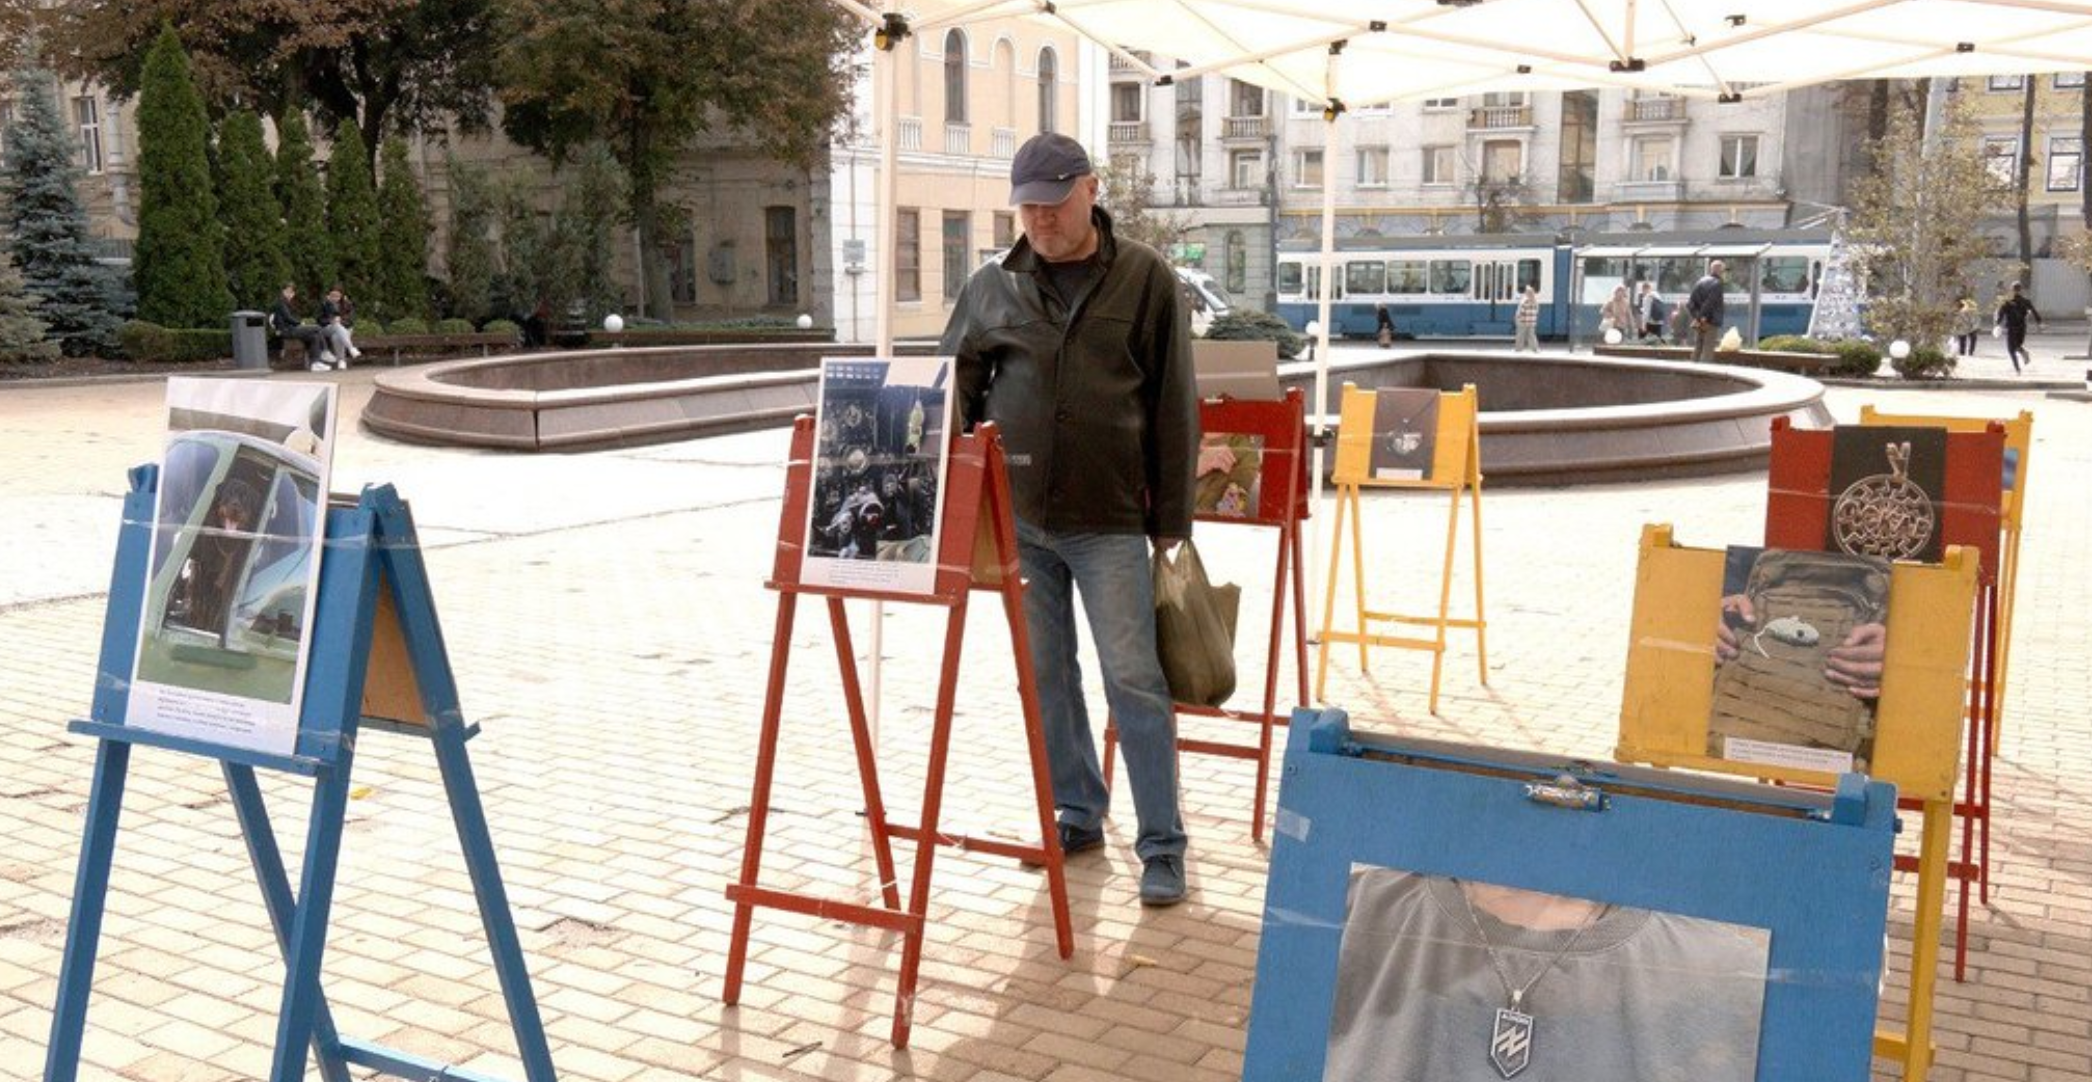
[1546, 419]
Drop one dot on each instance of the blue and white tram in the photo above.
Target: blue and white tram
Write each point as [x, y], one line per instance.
[1468, 286]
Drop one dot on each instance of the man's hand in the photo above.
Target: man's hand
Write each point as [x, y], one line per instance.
[1216, 458]
[1856, 663]
[1726, 643]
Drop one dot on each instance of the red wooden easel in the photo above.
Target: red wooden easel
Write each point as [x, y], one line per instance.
[1282, 505]
[1797, 512]
[977, 551]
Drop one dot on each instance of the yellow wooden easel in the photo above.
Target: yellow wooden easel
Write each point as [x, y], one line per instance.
[1917, 740]
[1456, 469]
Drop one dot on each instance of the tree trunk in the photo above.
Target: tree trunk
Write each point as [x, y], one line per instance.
[1877, 110]
[646, 217]
[2026, 178]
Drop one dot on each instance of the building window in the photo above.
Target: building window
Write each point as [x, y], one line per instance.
[954, 77]
[1438, 165]
[1739, 157]
[907, 255]
[1127, 100]
[1372, 167]
[1652, 158]
[1005, 229]
[1246, 168]
[1503, 98]
[1502, 160]
[1236, 259]
[2070, 80]
[2007, 82]
[1245, 99]
[1576, 173]
[1307, 169]
[781, 253]
[1049, 90]
[2066, 155]
[958, 229]
[89, 113]
[1440, 105]
[2001, 157]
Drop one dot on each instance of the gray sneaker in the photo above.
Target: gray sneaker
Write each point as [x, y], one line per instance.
[1162, 881]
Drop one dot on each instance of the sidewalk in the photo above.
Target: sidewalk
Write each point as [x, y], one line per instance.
[607, 622]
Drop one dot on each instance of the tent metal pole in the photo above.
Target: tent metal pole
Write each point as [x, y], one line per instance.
[1319, 410]
[886, 97]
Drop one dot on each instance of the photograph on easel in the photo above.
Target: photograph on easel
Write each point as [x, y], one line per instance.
[1455, 980]
[1229, 470]
[1405, 434]
[1799, 644]
[234, 568]
[1886, 484]
[881, 440]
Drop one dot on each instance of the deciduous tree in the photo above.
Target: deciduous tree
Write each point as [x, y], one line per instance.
[648, 76]
[382, 65]
[1915, 225]
[1129, 194]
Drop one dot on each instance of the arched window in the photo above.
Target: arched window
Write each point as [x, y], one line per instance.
[954, 77]
[1005, 64]
[1049, 96]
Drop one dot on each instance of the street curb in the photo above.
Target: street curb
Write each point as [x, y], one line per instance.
[1981, 384]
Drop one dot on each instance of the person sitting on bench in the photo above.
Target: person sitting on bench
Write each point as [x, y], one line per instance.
[285, 323]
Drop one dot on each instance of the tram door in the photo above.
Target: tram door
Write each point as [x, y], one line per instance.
[1496, 296]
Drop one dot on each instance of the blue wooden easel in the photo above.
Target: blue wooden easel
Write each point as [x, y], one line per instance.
[373, 595]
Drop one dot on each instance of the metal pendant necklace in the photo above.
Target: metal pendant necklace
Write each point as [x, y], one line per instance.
[1511, 1037]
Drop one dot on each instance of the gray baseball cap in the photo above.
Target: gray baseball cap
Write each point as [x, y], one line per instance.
[1046, 168]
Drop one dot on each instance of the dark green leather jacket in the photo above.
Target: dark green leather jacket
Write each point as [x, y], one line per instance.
[1096, 403]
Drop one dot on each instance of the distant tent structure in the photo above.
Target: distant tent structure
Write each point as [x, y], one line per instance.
[1837, 312]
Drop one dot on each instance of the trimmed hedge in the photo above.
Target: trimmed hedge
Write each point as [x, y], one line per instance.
[501, 326]
[1856, 357]
[407, 326]
[453, 326]
[1793, 343]
[1924, 362]
[142, 341]
[1250, 325]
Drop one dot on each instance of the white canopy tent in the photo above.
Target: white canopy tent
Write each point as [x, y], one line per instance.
[1351, 53]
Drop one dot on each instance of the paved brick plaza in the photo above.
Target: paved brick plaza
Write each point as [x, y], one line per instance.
[609, 629]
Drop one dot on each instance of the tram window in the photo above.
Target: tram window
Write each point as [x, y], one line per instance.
[1528, 274]
[1407, 276]
[1785, 274]
[1451, 276]
[1676, 277]
[1365, 278]
[1289, 278]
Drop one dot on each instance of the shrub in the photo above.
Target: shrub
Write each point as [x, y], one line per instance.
[1855, 358]
[406, 326]
[1794, 343]
[1924, 362]
[1250, 325]
[502, 326]
[454, 326]
[143, 341]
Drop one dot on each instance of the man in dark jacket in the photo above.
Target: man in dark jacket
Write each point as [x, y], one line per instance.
[286, 324]
[2012, 315]
[1076, 345]
[1705, 308]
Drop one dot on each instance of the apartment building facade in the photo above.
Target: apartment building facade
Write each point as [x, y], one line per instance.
[2055, 160]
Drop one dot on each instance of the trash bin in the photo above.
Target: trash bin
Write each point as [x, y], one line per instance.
[250, 341]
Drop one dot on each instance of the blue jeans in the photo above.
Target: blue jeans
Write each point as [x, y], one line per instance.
[1114, 572]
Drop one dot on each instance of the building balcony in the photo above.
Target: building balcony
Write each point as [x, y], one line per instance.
[1128, 131]
[1650, 191]
[1002, 142]
[1245, 127]
[958, 138]
[1122, 66]
[1495, 117]
[1236, 197]
[1654, 110]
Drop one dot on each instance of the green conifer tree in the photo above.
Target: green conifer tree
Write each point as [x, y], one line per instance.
[43, 215]
[255, 265]
[470, 262]
[352, 220]
[306, 244]
[403, 234]
[21, 333]
[180, 260]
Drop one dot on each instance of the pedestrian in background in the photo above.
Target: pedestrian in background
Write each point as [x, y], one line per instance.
[1967, 322]
[2012, 316]
[1706, 308]
[1617, 315]
[1528, 322]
